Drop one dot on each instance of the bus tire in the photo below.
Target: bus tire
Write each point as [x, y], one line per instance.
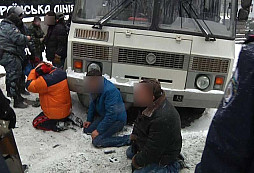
[188, 115]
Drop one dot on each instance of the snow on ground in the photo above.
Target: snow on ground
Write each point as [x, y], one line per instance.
[2, 71]
[71, 151]
[68, 151]
[194, 139]
[238, 48]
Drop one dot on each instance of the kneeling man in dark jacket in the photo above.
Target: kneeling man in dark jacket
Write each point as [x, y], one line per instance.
[156, 135]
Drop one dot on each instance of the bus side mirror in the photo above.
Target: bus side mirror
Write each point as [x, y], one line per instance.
[243, 14]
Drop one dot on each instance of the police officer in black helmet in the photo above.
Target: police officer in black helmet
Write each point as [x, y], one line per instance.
[21, 49]
[11, 43]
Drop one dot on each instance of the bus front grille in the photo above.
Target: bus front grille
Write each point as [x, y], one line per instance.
[91, 34]
[92, 51]
[215, 65]
[138, 57]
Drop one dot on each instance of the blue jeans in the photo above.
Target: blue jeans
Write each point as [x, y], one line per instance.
[105, 139]
[154, 168]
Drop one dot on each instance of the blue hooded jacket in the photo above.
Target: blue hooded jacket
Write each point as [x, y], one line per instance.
[108, 104]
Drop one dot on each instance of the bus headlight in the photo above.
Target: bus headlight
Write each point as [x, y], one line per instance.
[93, 66]
[202, 82]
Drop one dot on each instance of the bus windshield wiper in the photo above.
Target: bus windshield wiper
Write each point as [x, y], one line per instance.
[208, 37]
[112, 13]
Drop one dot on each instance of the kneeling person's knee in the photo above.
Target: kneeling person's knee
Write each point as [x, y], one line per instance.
[97, 142]
[129, 153]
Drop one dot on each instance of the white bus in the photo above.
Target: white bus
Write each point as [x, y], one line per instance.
[188, 45]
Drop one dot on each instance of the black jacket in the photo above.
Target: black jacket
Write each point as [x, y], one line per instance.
[159, 137]
[56, 41]
[6, 112]
[5, 104]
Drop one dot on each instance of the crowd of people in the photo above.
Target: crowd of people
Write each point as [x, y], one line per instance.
[155, 142]
[16, 39]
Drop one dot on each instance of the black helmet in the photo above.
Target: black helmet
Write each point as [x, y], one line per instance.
[16, 10]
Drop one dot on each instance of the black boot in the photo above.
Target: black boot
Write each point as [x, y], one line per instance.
[25, 168]
[76, 120]
[22, 86]
[25, 92]
[23, 99]
[36, 103]
[62, 126]
[18, 103]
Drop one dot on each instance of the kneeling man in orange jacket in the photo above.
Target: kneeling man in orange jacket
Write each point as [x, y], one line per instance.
[52, 86]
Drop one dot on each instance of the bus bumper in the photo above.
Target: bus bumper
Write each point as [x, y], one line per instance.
[180, 98]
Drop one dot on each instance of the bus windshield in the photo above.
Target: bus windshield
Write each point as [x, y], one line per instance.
[179, 16]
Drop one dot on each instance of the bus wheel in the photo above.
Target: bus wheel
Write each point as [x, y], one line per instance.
[188, 115]
[198, 110]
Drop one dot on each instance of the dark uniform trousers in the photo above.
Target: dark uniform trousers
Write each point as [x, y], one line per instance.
[13, 68]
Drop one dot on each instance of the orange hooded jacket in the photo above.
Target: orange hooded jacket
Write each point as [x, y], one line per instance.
[54, 93]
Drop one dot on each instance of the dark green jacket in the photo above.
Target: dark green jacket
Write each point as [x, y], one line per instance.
[11, 38]
[37, 34]
[159, 137]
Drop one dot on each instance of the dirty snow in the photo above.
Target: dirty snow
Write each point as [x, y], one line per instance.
[71, 150]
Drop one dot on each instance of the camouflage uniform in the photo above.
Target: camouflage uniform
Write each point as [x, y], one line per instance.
[10, 40]
[37, 34]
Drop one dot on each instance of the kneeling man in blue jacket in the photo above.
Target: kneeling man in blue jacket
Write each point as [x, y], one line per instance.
[106, 114]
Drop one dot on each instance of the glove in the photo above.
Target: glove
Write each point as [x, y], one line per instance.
[39, 65]
[57, 59]
[43, 68]
[11, 117]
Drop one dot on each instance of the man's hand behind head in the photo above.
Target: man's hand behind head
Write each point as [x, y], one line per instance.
[43, 68]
